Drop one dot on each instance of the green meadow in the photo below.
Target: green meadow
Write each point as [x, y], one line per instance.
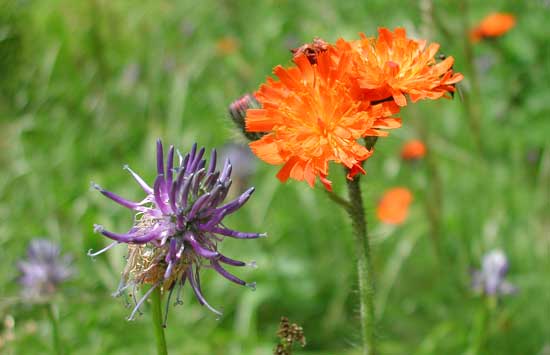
[88, 86]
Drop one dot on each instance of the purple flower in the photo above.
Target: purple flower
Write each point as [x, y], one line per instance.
[490, 279]
[243, 161]
[43, 270]
[178, 226]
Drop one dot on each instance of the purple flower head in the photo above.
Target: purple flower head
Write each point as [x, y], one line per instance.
[178, 225]
[43, 270]
[490, 279]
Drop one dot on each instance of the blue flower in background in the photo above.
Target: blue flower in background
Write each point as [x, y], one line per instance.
[43, 270]
[490, 280]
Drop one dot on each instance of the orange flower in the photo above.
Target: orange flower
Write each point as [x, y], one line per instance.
[413, 149]
[227, 45]
[493, 25]
[393, 66]
[314, 115]
[393, 208]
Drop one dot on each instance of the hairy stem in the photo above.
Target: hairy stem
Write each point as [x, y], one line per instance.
[338, 200]
[157, 322]
[364, 266]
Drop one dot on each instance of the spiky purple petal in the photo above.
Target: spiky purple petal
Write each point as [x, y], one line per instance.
[148, 190]
[195, 285]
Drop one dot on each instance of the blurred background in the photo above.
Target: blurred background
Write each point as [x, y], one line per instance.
[88, 86]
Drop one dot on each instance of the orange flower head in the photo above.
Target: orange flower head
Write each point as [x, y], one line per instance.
[493, 25]
[392, 66]
[413, 149]
[393, 208]
[313, 115]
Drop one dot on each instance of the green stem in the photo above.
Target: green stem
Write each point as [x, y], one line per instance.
[472, 108]
[157, 321]
[338, 200]
[433, 201]
[54, 320]
[481, 328]
[434, 194]
[356, 212]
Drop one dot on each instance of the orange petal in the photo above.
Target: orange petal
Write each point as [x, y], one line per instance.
[399, 98]
[327, 183]
[266, 149]
[284, 173]
[258, 120]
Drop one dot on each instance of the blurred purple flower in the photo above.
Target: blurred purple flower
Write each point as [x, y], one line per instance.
[484, 63]
[533, 155]
[243, 161]
[43, 270]
[178, 226]
[490, 279]
[130, 76]
[187, 28]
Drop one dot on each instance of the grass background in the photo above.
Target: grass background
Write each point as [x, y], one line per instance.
[87, 86]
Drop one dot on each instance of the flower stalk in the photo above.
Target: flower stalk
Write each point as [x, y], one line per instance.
[54, 321]
[158, 327]
[365, 275]
[482, 324]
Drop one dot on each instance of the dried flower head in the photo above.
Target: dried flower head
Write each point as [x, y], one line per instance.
[288, 335]
[493, 25]
[490, 279]
[393, 208]
[43, 270]
[178, 225]
[413, 150]
[315, 114]
[311, 50]
[392, 66]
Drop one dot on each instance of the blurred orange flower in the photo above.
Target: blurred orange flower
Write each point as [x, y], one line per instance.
[392, 66]
[227, 45]
[413, 149]
[314, 114]
[493, 25]
[393, 208]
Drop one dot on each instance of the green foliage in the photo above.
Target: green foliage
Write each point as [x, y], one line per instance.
[88, 86]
